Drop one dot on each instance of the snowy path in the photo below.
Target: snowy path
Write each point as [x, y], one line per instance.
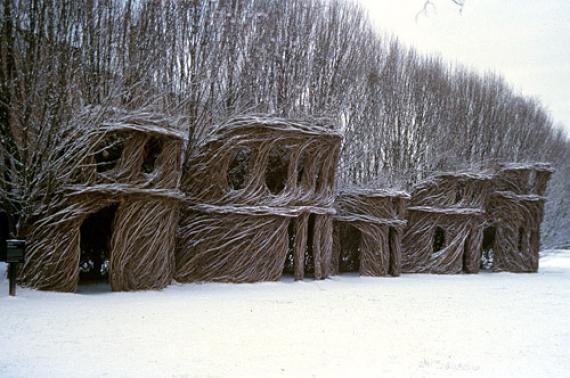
[416, 325]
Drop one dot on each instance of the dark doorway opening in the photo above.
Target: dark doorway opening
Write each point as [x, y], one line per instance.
[466, 253]
[521, 243]
[95, 235]
[438, 239]
[394, 262]
[350, 249]
[309, 262]
[289, 268]
[487, 253]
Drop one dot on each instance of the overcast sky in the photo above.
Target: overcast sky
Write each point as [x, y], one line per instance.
[527, 41]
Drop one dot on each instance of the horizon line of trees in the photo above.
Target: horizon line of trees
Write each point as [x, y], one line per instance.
[404, 115]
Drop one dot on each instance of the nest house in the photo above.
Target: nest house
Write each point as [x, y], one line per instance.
[446, 219]
[259, 202]
[368, 230]
[116, 220]
[514, 213]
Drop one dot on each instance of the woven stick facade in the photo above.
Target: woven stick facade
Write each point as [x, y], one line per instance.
[256, 195]
[450, 215]
[130, 162]
[445, 224]
[515, 211]
[257, 188]
[368, 230]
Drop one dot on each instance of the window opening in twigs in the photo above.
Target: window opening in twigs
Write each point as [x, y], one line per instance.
[95, 243]
[396, 206]
[152, 150]
[239, 168]
[109, 154]
[302, 165]
[277, 170]
[487, 253]
[319, 179]
[350, 249]
[459, 193]
[438, 239]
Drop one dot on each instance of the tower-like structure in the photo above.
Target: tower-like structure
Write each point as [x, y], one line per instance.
[514, 213]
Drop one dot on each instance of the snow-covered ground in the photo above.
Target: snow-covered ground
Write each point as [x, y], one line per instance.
[502, 325]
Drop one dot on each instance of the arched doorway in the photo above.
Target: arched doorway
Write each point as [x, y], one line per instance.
[95, 235]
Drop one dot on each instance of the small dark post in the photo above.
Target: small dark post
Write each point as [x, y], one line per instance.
[12, 273]
[15, 254]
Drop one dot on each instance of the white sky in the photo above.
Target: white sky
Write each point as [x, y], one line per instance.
[527, 41]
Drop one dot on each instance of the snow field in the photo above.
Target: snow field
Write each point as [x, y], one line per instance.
[491, 324]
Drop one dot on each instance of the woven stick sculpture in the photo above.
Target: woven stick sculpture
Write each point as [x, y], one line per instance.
[257, 196]
[445, 224]
[257, 189]
[515, 211]
[454, 218]
[368, 231]
[130, 162]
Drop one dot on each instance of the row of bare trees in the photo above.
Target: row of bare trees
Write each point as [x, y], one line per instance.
[404, 115]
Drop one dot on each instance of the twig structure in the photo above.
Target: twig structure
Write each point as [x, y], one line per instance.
[259, 193]
[368, 231]
[514, 213]
[255, 200]
[445, 224]
[121, 206]
[457, 219]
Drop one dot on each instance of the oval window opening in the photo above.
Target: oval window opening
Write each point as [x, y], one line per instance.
[238, 169]
[277, 170]
[459, 193]
[109, 154]
[152, 150]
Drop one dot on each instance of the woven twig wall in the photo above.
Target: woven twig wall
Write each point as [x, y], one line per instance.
[457, 190]
[523, 178]
[517, 223]
[143, 244]
[245, 184]
[231, 247]
[460, 249]
[308, 154]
